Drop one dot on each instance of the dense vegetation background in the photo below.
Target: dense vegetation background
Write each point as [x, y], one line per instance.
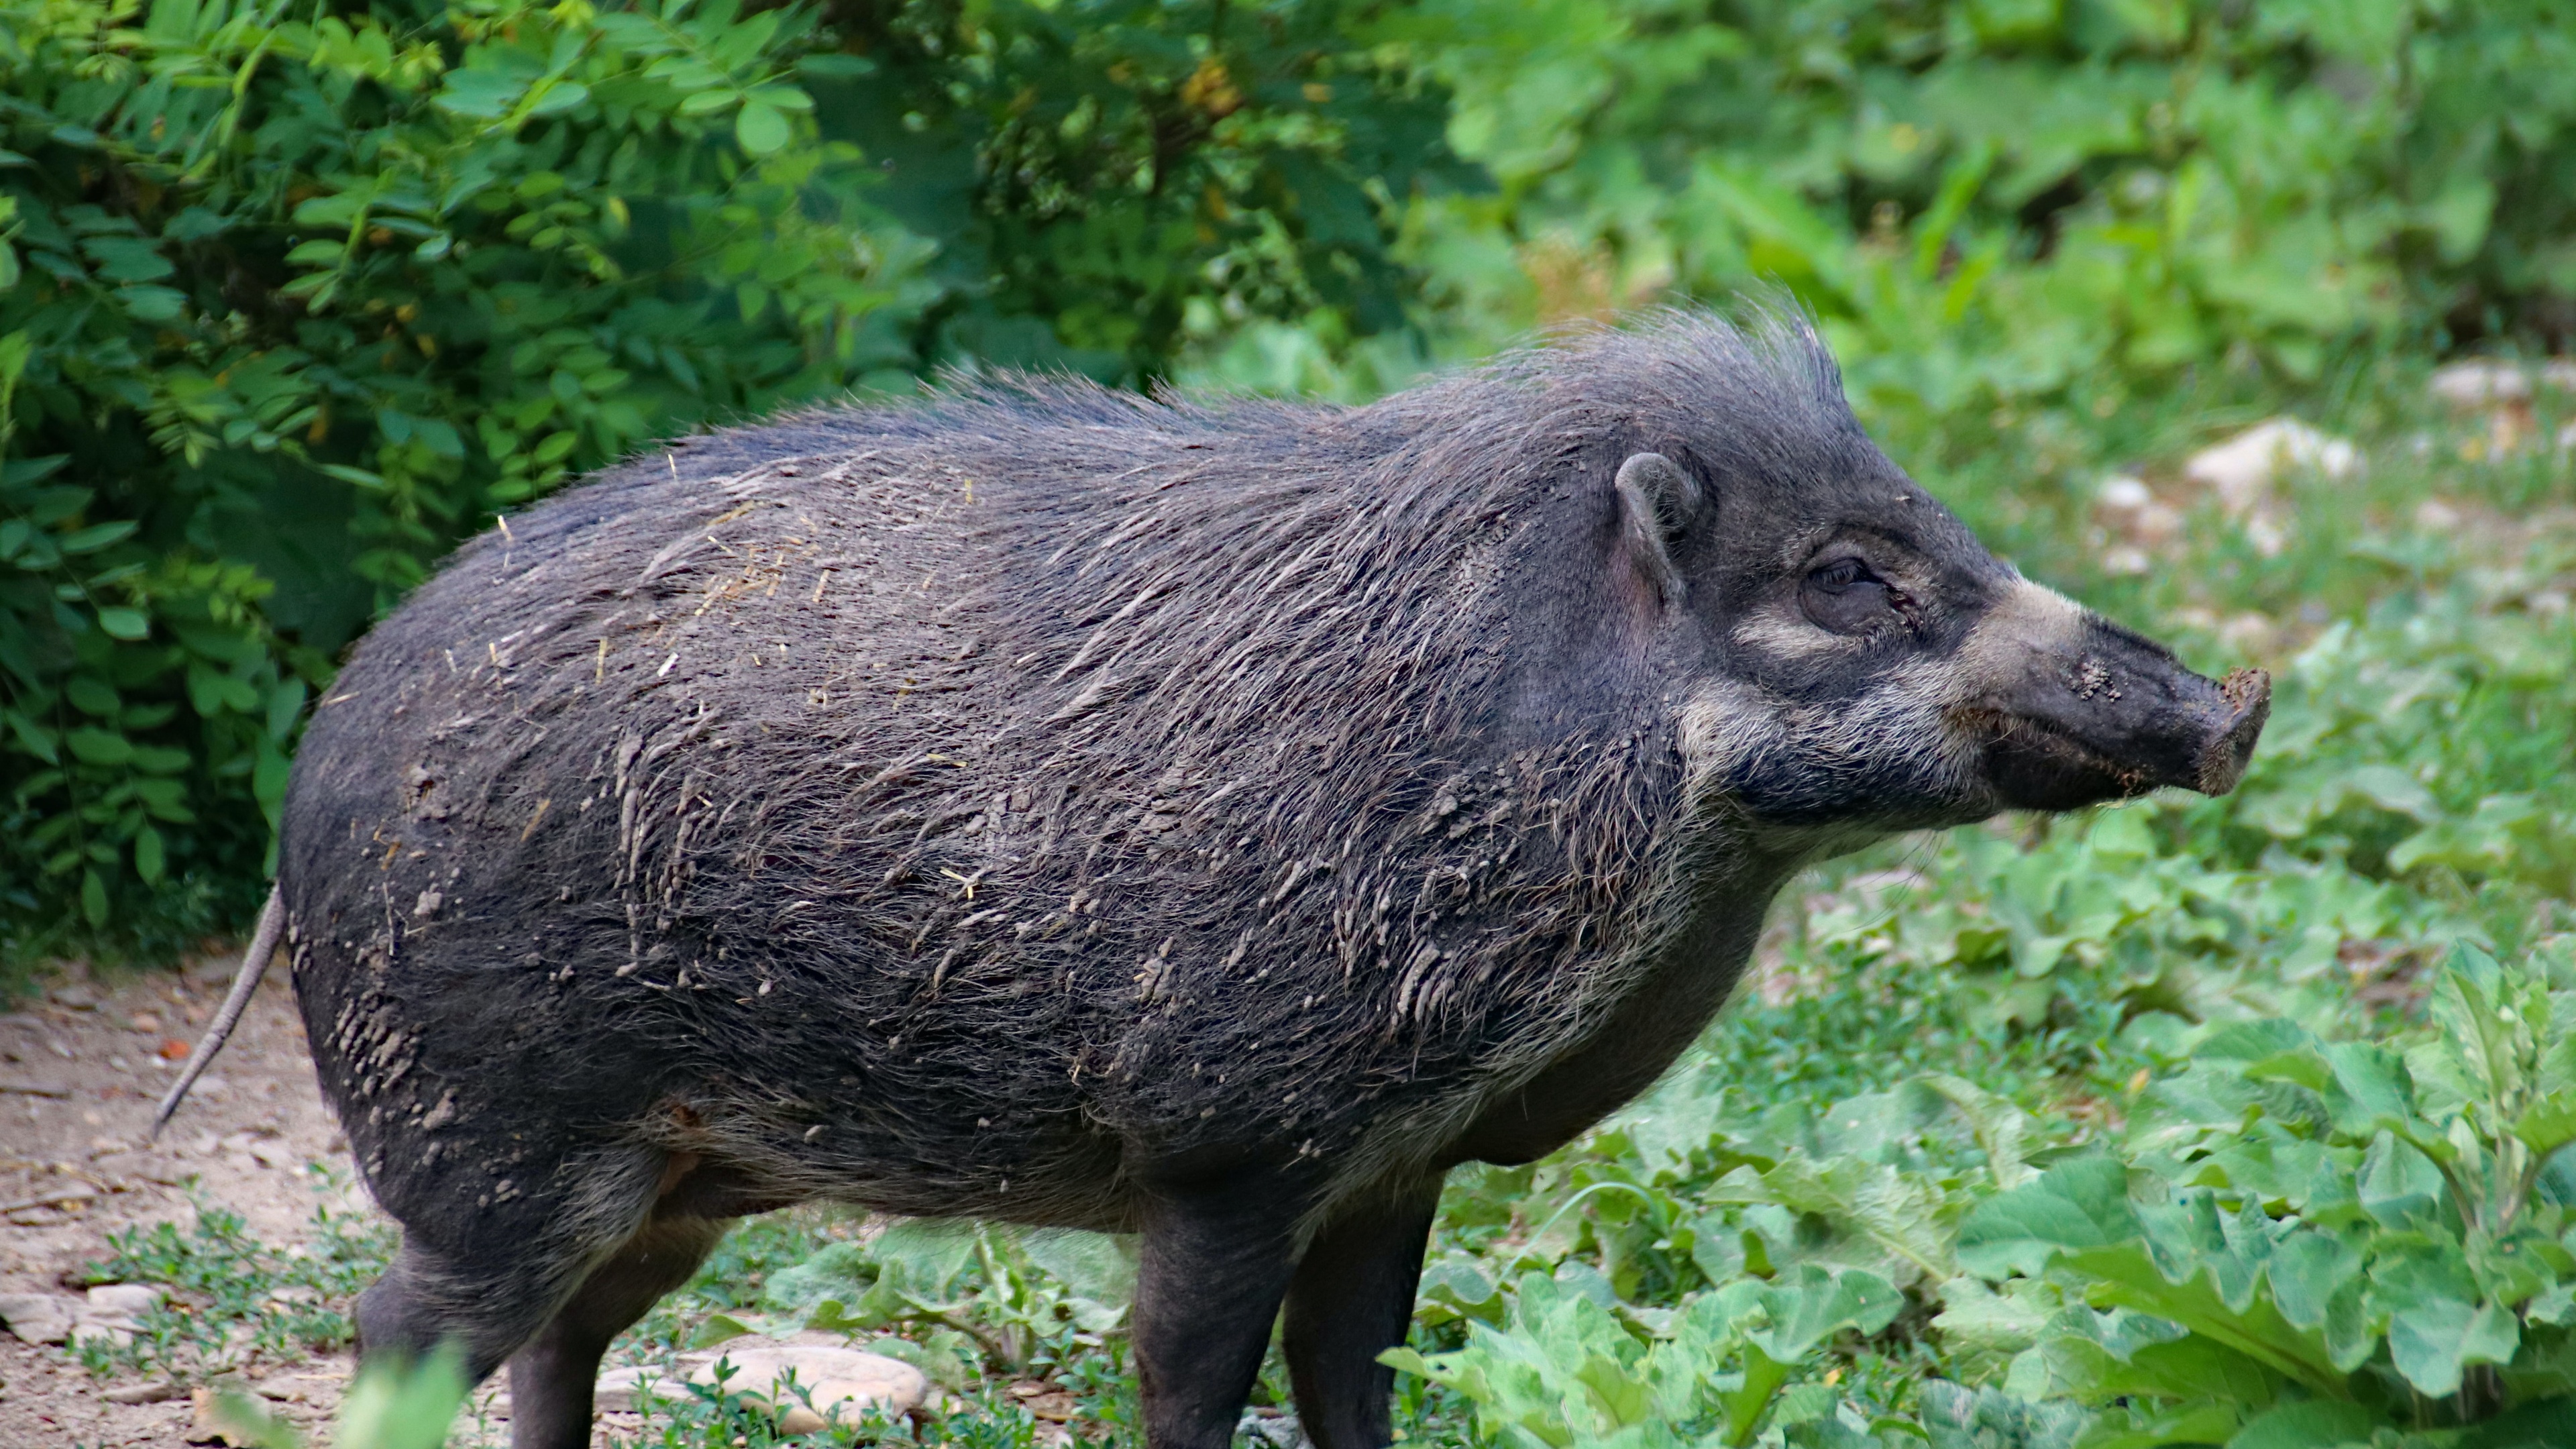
[2193, 1122]
[299, 294]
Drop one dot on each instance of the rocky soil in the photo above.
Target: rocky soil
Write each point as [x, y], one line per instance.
[80, 1070]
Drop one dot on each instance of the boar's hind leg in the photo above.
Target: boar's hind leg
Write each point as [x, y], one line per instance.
[1216, 1260]
[1351, 1300]
[551, 1378]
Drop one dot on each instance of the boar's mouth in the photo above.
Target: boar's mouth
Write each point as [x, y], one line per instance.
[2064, 747]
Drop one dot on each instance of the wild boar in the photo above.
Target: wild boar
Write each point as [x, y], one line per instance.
[1206, 820]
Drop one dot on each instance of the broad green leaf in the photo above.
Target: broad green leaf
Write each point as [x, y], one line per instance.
[923, 1257]
[2306, 1271]
[2184, 1370]
[2399, 1185]
[2082, 1202]
[97, 536]
[2431, 1339]
[760, 127]
[2310, 1424]
[2375, 1089]
[1791, 1314]
[1898, 1213]
[2004, 1130]
[96, 746]
[2549, 1123]
[2124, 1276]
[1089, 1265]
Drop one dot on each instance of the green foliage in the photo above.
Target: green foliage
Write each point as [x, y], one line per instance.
[1110, 180]
[388, 1406]
[2334, 1234]
[1564, 1370]
[293, 299]
[1993, 202]
[304, 297]
[233, 1299]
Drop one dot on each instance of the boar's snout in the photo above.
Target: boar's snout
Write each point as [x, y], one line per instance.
[2091, 712]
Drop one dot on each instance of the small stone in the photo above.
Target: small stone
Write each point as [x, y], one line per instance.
[2242, 469]
[150, 1391]
[39, 1317]
[622, 1391]
[1275, 1429]
[1047, 1401]
[2479, 381]
[205, 1425]
[835, 1382]
[87, 1331]
[126, 1301]
[2125, 493]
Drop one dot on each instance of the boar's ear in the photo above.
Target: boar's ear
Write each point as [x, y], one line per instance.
[1657, 500]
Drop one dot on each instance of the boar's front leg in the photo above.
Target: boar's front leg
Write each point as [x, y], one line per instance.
[553, 1376]
[1217, 1253]
[1351, 1300]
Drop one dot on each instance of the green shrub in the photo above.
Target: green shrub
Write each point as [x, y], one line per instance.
[293, 301]
[2312, 1242]
[1998, 200]
[293, 298]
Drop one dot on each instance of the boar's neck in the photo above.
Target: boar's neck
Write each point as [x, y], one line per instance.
[1670, 990]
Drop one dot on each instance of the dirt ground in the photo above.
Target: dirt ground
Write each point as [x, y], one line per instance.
[80, 1071]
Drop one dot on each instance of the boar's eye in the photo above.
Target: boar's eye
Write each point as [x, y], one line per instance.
[1844, 595]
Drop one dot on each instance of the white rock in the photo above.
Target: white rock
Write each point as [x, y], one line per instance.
[836, 1382]
[2126, 558]
[150, 1391]
[121, 1301]
[2479, 381]
[39, 1317]
[622, 1391]
[2241, 470]
[2125, 493]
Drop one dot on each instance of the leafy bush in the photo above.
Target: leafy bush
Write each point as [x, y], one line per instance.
[234, 1298]
[1566, 1371]
[2001, 200]
[293, 299]
[302, 300]
[1110, 180]
[2295, 1242]
[2334, 1235]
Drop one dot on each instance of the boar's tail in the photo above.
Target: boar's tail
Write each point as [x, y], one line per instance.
[263, 944]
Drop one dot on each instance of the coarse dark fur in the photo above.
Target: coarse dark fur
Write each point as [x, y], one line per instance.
[1069, 808]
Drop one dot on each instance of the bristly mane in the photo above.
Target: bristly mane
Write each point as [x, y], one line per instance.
[1071, 764]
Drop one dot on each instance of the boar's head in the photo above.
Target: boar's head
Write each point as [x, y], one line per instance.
[1855, 660]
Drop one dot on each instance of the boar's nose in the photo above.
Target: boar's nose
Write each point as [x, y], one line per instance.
[2094, 712]
[2246, 695]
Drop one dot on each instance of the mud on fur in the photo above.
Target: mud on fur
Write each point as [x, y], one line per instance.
[1206, 820]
